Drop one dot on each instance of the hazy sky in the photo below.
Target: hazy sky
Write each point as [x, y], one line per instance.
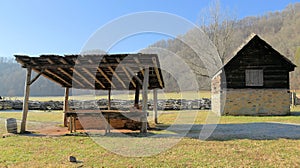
[34, 27]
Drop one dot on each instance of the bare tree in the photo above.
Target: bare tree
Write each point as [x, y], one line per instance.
[219, 25]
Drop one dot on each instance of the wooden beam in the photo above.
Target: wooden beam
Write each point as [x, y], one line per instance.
[155, 106]
[126, 72]
[109, 99]
[102, 65]
[140, 65]
[117, 76]
[84, 78]
[137, 96]
[66, 105]
[145, 101]
[134, 75]
[106, 77]
[94, 77]
[70, 76]
[157, 71]
[58, 77]
[36, 77]
[25, 101]
[50, 61]
[63, 61]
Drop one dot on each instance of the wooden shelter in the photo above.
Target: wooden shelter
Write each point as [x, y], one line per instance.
[98, 72]
[254, 82]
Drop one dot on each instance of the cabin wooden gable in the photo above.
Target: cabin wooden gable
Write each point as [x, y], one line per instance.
[258, 65]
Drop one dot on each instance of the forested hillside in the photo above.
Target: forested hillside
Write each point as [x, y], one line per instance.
[280, 29]
[13, 78]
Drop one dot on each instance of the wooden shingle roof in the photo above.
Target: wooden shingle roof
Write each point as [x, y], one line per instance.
[100, 72]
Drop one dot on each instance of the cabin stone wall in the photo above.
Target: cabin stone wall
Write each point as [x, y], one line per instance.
[257, 102]
[216, 94]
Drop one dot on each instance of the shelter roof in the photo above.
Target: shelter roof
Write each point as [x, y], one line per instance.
[95, 71]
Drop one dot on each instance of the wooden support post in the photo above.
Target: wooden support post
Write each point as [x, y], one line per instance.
[66, 105]
[71, 124]
[74, 123]
[137, 96]
[145, 100]
[109, 100]
[155, 106]
[26, 99]
[107, 128]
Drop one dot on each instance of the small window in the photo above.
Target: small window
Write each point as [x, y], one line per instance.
[254, 77]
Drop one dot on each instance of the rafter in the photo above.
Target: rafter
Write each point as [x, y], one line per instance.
[134, 75]
[106, 77]
[94, 77]
[63, 61]
[139, 64]
[50, 61]
[126, 72]
[117, 76]
[70, 76]
[83, 77]
[157, 71]
[58, 77]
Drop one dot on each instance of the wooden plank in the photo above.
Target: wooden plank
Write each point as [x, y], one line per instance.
[66, 105]
[25, 101]
[106, 77]
[94, 77]
[145, 101]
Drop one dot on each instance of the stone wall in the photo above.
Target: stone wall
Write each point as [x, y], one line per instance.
[257, 102]
[216, 94]
[99, 123]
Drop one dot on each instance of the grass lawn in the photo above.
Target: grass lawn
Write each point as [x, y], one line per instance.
[26, 151]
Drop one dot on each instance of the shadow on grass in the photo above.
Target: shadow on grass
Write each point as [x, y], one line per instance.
[222, 132]
[253, 131]
[295, 113]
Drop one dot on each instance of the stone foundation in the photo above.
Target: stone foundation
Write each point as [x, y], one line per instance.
[261, 102]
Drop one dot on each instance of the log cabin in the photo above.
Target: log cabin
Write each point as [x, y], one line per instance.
[255, 81]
